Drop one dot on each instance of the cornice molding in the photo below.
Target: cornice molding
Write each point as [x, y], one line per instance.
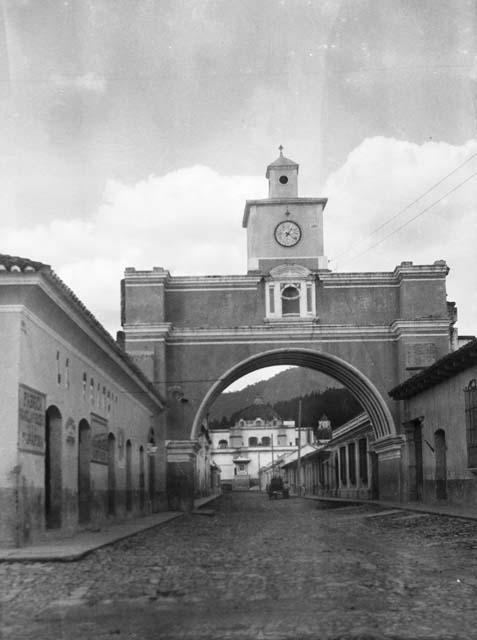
[264, 202]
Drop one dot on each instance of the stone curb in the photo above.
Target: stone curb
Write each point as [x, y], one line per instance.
[76, 549]
[450, 512]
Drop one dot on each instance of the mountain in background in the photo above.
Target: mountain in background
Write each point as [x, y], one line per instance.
[286, 385]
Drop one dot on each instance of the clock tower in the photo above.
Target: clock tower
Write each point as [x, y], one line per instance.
[284, 229]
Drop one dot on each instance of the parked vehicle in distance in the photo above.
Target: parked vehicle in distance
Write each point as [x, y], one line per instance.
[277, 488]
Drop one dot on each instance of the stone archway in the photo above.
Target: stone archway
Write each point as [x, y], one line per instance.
[53, 468]
[181, 454]
[362, 388]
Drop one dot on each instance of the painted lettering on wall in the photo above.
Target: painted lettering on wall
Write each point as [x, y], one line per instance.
[99, 430]
[70, 431]
[31, 420]
[420, 355]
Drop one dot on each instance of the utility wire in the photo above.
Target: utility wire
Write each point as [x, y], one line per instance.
[408, 206]
[416, 216]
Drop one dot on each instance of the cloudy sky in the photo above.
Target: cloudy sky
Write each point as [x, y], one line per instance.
[131, 133]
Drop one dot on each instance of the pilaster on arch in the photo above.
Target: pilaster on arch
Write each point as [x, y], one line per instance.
[362, 388]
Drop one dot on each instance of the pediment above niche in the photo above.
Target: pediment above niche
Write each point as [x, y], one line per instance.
[289, 271]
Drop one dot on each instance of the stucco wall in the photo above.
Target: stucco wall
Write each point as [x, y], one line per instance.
[10, 323]
[443, 407]
[46, 354]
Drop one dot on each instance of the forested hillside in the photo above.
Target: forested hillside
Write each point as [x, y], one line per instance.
[320, 394]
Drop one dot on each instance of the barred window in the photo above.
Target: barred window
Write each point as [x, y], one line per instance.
[470, 394]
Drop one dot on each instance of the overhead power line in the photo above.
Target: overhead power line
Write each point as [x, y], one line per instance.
[405, 224]
[408, 206]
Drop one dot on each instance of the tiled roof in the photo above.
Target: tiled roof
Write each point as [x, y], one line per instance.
[252, 412]
[442, 369]
[15, 264]
[281, 161]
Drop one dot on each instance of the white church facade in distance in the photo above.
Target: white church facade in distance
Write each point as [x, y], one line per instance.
[259, 438]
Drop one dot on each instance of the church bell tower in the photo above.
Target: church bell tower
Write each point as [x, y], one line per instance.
[284, 229]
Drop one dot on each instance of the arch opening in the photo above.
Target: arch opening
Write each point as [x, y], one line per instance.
[53, 468]
[354, 380]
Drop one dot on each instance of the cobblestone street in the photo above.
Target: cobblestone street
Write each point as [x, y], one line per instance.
[259, 569]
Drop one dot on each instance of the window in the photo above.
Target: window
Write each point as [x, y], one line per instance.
[67, 373]
[85, 382]
[470, 394]
[252, 442]
[223, 444]
[91, 391]
[265, 441]
[290, 301]
[290, 293]
[58, 372]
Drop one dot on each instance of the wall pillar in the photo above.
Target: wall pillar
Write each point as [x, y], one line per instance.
[181, 465]
[389, 467]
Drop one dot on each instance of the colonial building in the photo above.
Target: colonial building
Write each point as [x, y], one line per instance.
[196, 335]
[345, 466]
[258, 438]
[440, 429]
[81, 427]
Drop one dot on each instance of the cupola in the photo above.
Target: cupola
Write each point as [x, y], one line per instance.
[282, 176]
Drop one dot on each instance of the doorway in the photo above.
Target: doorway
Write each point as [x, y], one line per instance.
[84, 472]
[129, 500]
[53, 471]
[111, 475]
[441, 464]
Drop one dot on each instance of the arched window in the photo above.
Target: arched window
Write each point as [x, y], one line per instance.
[223, 444]
[252, 442]
[258, 422]
[290, 300]
[265, 441]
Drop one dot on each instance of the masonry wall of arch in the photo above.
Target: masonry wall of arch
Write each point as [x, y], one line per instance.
[203, 371]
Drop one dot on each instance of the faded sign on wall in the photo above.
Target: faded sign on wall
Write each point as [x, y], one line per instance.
[99, 430]
[31, 420]
[70, 431]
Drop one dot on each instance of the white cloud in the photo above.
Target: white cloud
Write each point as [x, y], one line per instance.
[90, 81]
[189, 222]
[378, 180]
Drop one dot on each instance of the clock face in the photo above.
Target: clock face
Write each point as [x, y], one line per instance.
[287, 233]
